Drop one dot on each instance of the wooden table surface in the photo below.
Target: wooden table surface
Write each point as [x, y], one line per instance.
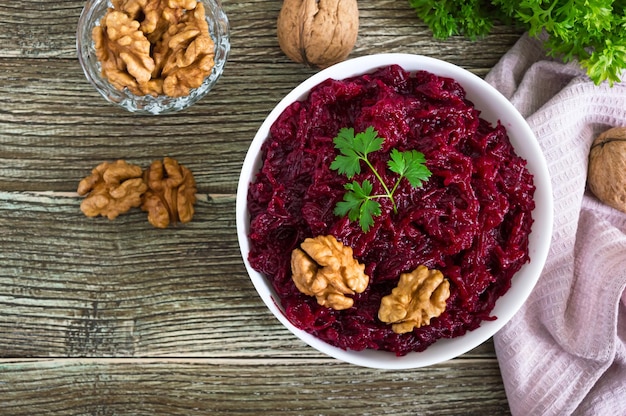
[102, 317]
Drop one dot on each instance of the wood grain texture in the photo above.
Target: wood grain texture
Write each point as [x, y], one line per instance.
[102, 317]
[246, 386]
[55, 126]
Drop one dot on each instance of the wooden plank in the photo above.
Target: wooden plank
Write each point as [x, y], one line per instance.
[81, 286]
[43, 29]
[54, 126]
[51, 139]
[77, 286]
[242, 387]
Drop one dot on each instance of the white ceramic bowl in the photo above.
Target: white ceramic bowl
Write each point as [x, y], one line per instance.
[493, 107]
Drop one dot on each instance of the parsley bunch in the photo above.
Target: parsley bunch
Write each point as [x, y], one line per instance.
[591, 31]
[359, 203]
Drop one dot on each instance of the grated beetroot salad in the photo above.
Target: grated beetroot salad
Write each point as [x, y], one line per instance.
[470, 220]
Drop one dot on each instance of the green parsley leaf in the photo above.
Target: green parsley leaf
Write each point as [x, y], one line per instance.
[369, 208]
[410, 165]
[367, 142]
[358, 204]
[354, 149]
[602, 65]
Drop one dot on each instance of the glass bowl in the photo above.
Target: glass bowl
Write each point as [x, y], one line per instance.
[90, 17]
[493, 107]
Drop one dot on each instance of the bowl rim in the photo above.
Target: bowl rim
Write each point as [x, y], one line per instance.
[525, 144]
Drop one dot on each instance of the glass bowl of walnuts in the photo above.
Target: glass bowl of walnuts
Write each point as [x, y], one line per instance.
[153, 56]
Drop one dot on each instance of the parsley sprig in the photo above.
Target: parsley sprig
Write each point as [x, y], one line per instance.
[589, 31]
[359, 203]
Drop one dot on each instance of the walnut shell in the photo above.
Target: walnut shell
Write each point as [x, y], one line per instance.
[318, 32]
[607, 168]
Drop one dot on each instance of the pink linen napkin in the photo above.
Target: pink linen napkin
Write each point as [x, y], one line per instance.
[564, 352]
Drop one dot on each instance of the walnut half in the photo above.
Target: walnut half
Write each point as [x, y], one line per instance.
[112, 189]
[171, 193]
[327, 269]
[419, 296]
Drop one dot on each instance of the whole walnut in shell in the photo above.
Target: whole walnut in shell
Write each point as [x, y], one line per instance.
[318, 32]
[607, 168]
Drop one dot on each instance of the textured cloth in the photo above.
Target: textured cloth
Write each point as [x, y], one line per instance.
[564, 352]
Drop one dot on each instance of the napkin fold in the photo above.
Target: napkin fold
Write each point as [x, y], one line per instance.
[564, 352]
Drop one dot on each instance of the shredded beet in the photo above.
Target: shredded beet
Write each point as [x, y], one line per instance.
[470, 220]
